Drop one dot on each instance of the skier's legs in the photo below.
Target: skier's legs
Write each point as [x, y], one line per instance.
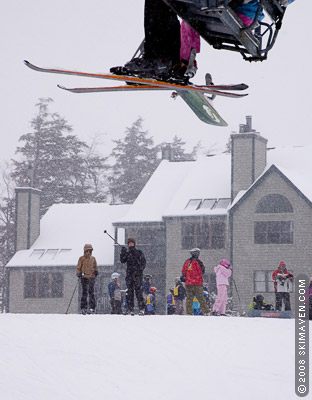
[189, 299]
[138, 292]
[287, 301]
[130, 293]
[179, 307]
[278, 301]
[91, 293]
[220, 303]
[84, 295]
[201, 299]
[162, 31]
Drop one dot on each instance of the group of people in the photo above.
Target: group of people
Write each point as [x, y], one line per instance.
[168, 44]
[139, 285]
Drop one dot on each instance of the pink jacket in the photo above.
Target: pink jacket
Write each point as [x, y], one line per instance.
[222, 275]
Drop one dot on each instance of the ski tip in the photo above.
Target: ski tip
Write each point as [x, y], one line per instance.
[26, 62]
[61, 87]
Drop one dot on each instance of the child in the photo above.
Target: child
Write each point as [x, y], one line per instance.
[171, 305]
[223, 272]
[196, 306]
[115, 294]
[151, 302]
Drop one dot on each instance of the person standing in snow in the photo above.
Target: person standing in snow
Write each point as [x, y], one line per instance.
[146, 285]
[151, 302]
[282, 285]
[223, 271]
[136, 263]
[87, 271]
[179, 296]
[192, 271]
[171, 305]
[115, 293]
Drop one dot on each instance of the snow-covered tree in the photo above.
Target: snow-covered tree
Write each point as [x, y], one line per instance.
[135, 159]
[6, 225]
[55, 161]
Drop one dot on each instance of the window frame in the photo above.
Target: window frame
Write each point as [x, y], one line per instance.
[202, 234]
[267, 231]
[39, 292]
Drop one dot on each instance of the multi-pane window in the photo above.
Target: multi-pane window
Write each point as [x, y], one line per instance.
[263, 282]
[205, 235]
[274, 203]
[273, 232]
[43, 284]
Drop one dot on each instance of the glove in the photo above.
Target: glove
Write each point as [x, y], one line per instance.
[96, 273]
[79, 275]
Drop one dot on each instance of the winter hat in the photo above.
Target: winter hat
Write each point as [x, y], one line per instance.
[225, 263]
[282, 264]
[87, 247]
[115, 275]
[177, 280]
[195, 252]
[259, 297]
[131, 240]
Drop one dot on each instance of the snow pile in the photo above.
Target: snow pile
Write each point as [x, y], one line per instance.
[73, 357]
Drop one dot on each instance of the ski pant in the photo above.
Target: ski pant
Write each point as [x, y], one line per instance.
[134, 285]
[171, 310]
[116, 306]
[179, 307]
[220, 303]
[162, 31]
[195, 291]
[87, 289]
[279, 298]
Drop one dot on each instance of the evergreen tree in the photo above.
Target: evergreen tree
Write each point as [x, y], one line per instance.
[135, 161]
[178, 151]
[55, 161]
[6, 225]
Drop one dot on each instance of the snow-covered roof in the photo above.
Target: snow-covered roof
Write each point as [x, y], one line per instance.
[295, 162]
[173, 184]
[66, 228]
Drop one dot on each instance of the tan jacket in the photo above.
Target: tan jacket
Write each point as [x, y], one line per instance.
[87, 266]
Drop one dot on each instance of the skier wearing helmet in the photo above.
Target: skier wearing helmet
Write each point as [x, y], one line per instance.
[223, 271]
[192, 271]
[151, 302]
[115, 293]
[87, 271]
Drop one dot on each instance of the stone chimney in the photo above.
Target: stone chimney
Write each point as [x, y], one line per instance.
[248, 157]
[27, 217]
[167, 152]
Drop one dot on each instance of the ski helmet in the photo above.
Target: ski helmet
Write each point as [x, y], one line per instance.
[153, 289]
[195, 252]
[225, 263]
[282, 264]
[115, 275]
[259, 298]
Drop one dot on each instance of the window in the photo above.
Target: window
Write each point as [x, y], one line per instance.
[223, 203]
[273, 232]
[193, 204]
[205, 235]
[208, 203]
[43, 284]
[263, 282]
[274, 203]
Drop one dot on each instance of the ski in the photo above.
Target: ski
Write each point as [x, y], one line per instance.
[125, 88]
[137, 80]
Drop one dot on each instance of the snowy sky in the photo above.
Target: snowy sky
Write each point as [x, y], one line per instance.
[92, 36]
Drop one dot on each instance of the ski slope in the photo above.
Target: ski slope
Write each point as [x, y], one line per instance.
[73, 357]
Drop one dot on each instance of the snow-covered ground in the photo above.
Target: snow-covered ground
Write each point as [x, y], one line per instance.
[60, 357]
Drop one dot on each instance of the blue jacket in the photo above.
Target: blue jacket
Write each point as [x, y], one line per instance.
[250, 9]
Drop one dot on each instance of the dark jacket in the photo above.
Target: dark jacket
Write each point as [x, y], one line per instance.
[134, 259]
[179, 292]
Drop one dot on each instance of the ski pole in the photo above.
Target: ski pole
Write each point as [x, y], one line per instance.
[112, 238]
[236, 289]
[72, 296]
